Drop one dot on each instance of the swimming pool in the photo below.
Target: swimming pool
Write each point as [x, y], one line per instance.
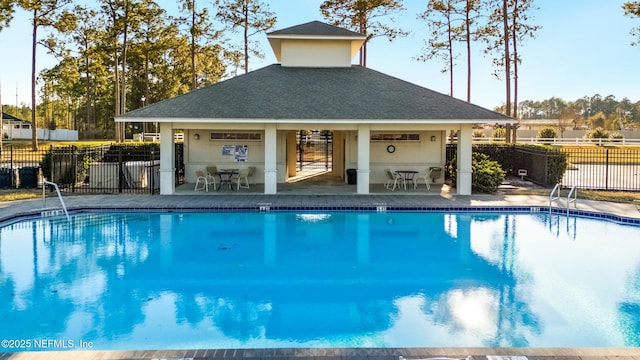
[318, 279]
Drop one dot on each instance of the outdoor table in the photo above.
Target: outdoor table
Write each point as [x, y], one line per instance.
[225, 177]
[407, 175]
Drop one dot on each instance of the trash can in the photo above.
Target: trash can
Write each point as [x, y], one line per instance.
[352, 176]
[434, 173]
[5, 178]
[28, 176]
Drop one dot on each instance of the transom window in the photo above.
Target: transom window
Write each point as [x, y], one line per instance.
[395, 137]
[253, 136]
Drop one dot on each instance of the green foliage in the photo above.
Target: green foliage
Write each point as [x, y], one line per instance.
[632, 10]
[546, 164]
[547, 132]
[597, 133]
[252, 17]
[486, 176]
[478, 133]
[6, 13]
[499, 133]
[616, 135]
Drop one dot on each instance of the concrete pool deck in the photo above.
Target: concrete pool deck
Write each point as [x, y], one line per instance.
[401, 200]
[19, 209]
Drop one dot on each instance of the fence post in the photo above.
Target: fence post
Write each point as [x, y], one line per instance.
[74, 159]
[606, 170]
[13, 182]
[120, 171]
[151, 169]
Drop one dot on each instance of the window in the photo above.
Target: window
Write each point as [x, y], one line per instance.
[395, 137]
[249, 136]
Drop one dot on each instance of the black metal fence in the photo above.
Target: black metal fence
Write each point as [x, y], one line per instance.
[601, 168]
[20, 168]
[592, 168]
[115, 168]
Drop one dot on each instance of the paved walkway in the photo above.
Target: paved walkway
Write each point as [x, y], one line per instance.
[18, 209]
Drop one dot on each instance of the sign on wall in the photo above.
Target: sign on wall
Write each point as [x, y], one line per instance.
[239, 152]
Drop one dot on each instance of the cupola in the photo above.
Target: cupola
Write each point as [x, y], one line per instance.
[315, 44]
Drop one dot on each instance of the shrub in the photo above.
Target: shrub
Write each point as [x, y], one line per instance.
[499, 133]
[597, 133]
[486, 175]
[547, 132]
[616, 136]
[478, 133]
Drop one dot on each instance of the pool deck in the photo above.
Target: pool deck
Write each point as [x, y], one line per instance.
[399, 200]
[19, 209]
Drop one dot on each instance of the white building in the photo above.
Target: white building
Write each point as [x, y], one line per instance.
[377, 121]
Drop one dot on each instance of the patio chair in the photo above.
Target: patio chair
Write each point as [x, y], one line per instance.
[243, 175]
[203, 181]
[212, 173]
[394, 180]
[425, 175]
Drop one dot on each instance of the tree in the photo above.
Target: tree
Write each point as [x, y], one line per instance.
[252, 16]
[199, 28]
[46, 13]
[441, 17]
[6, 12]
[632, 10]
[362, 16]
[510, 27]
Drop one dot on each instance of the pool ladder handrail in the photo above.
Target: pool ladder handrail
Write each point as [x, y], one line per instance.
[572, 193]
[44, 201]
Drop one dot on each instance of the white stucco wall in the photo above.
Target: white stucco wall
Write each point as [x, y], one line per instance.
[325, 53]
[409, 155]
[198, 154]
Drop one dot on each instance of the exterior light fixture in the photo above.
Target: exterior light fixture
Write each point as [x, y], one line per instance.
[433, 138]
[196, 136]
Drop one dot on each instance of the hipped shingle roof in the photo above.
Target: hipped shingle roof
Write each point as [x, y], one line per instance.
[353, 93]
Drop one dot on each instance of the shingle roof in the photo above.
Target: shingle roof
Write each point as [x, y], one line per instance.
[316, 28]
[354, 93]
[6, 116]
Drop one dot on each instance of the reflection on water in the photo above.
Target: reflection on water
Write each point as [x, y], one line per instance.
[249, 280]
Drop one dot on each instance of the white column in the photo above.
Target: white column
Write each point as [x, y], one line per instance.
[270, 159]
[464, 160]
[167, 159]
[364, 137]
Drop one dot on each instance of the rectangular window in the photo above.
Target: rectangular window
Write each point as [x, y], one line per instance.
[248, 136]
[395, 137]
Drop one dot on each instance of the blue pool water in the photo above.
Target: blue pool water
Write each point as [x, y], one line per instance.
[342, 279]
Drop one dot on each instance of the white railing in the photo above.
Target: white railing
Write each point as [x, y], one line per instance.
[573, 200]
[572, 197]
[44, 201]
[556, 189]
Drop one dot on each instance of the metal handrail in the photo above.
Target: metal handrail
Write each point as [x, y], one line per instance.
[64, 207]
[573, 192]
[551, 197]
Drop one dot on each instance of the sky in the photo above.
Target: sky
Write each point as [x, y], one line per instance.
[583, 48]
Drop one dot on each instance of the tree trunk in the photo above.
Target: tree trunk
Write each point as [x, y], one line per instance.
[450, 41]
[468, 39]
[194, 80]
[507, 59]
[34, 42]
[515, 58]
[507, 68]
[245, 12]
